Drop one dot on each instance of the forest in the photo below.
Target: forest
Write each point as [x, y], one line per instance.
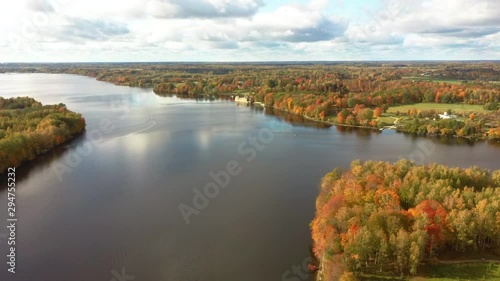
[28, 129]
[350, 94]
[392, 219]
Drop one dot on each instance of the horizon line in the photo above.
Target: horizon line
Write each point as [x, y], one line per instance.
[249, 62]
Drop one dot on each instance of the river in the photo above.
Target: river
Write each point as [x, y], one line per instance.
[107, 205]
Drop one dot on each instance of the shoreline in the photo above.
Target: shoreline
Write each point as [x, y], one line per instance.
[396, 129]
[264, 106]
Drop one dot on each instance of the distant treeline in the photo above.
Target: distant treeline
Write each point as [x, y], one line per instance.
[371, 84]
[390, 217]
[354, 94]
[28, 129]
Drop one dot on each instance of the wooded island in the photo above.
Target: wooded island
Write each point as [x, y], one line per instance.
[28, 129]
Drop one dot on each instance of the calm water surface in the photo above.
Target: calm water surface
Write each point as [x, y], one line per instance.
[117, 207]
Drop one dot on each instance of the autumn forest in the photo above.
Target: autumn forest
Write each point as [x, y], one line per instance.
[392, 218]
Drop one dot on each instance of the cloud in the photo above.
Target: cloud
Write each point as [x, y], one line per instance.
[250, 29]
[428, 25]
[203, 8]
[292, 23]
[470, 32]
[97, 30]
[322, 31]
[224, 45]
[39, 6]
[446, 14]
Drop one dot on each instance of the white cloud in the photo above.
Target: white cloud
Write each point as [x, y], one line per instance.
[430, 26]
[241, 29]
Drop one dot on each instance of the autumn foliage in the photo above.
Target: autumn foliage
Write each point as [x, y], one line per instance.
[321, 92]
[391, 217]
[28, 129]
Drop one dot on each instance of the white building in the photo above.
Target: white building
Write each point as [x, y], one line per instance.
[446, 116]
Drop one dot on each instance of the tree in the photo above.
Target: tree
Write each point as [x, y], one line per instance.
[342, 116]
[322, 115]
[402, 243]
[351, 102]
[491, 105]
[365, 116]
[417, 249]
[271, 83]
[437, 225]
[350, 120]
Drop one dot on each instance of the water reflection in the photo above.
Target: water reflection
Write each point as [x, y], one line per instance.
[42, 162]
[446, 140]
[294, 119]
[360, 132]
[196, 97]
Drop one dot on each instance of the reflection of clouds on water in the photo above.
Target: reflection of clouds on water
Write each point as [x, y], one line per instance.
[204, 138]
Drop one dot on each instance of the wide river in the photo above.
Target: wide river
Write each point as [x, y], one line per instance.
[107, 205]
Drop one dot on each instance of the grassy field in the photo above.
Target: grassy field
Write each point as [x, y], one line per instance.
[455, 107]
[448, 272]
[387, 120]
[464, 271]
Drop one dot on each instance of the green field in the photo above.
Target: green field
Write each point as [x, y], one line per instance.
[448, 272]
[464, 271]
[387, 120]
[455, 107]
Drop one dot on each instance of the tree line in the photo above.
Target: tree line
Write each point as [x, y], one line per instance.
[371, 84]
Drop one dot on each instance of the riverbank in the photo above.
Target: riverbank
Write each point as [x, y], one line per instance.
[394, 127]
[323, 121]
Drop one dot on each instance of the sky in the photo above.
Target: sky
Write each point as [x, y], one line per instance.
[248, 30]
